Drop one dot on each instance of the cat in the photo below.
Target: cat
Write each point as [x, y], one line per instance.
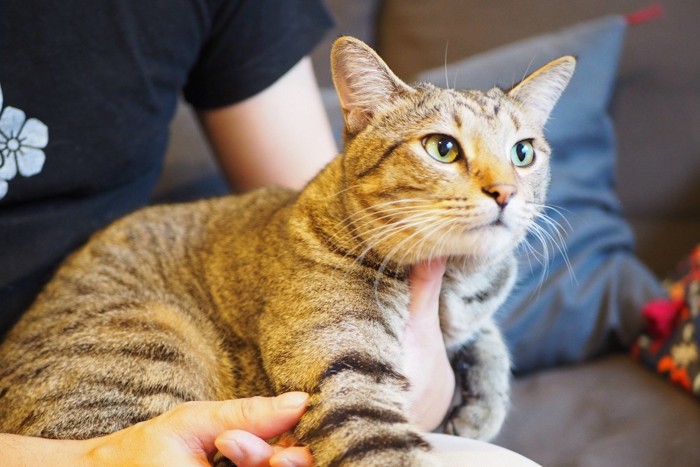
[276, 290]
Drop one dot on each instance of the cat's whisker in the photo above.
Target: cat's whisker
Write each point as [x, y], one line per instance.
[373, 209]
[424, 232]
[344, 190]
[417, 224]
[436, 247]
[543, 208]
[408, 215]
[393, 212]
[376, 234]
[379, 211]
[552, 229]
[370, 217]
[417, 221]
[454, 222]
[439, 225]
[447, 80]
[547, 240]
[384, 232]
[402, 245]
[558, 211]
[530, 252]
[527, 70]
[449, 224]
[549, 233]
[542, 256]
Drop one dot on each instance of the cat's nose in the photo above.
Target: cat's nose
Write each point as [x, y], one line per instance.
[501, 193]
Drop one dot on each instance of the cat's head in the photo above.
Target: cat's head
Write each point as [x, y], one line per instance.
[440, 172]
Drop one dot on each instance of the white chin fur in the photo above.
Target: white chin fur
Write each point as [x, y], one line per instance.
[485, 243]
[479, 246]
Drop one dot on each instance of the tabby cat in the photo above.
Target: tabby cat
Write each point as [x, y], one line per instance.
[276, 290]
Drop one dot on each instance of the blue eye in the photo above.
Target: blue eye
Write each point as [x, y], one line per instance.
[522, 154]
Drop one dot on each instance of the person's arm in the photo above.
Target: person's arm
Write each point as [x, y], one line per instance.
[280, 136]
[23, 451]
[188, 435]
[427, 367]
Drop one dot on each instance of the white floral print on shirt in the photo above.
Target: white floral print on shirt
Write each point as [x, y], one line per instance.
[22, 142]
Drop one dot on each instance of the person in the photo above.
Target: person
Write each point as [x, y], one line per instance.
[87, 90]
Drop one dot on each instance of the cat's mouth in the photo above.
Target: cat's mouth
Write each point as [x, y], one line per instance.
[498, 222]
[492, 226]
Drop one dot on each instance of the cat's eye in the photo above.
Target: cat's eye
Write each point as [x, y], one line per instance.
[522, 154]
[441, 148]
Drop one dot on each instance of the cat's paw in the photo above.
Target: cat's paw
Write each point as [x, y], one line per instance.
[481, 418]
[221, 461]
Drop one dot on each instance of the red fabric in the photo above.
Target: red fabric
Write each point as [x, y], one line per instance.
[661, 317]
[650, 13]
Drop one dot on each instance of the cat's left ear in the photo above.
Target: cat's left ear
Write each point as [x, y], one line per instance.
[364, 83]
[539, 92]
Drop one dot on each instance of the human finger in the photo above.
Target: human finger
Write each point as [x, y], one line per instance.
[247, 450]
[264, 417]
[295, 456]
[425, 281]
[426, 362]
[244, 448]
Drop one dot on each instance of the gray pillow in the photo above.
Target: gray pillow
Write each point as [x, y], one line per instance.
[552, 317]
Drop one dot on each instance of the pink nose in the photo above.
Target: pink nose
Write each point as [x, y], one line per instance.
[500, 192]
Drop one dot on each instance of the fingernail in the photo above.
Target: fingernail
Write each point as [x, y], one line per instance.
[291, 400]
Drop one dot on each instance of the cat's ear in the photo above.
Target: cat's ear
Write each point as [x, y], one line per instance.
[539, 92]
[364, 83]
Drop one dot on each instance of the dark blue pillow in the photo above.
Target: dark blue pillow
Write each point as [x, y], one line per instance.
[552, 317]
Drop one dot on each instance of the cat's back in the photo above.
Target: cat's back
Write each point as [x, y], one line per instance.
[159, 250]
[137, 292]
[164, 227]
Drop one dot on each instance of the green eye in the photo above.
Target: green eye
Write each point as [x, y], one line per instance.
[522, 154]
[441, 148]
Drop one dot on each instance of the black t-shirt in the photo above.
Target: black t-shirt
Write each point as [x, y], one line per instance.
[87, 91]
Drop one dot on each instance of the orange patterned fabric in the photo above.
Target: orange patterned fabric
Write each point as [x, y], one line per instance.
[670, 343]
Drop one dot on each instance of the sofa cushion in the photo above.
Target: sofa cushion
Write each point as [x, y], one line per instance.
[609, 412]
[562, 312]
[356, 18]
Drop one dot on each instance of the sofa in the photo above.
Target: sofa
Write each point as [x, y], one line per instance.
[625, 196]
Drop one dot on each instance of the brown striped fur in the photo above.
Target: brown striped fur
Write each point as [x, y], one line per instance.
[277, 290]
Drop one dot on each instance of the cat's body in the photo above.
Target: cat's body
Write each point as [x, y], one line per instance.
[275, 291]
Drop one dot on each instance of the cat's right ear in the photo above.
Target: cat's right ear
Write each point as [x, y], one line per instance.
[364, 83]
[540, 91]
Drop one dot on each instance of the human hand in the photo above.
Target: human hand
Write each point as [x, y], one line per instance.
[191, 433]
[426, 364]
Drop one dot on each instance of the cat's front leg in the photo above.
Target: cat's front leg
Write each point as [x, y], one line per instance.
[358, 416]
[482, 367]
[358, 413]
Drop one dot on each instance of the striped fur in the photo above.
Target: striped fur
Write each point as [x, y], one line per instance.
[276, 290]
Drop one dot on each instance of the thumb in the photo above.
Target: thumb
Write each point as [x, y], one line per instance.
[262, 416]
[425, 280]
